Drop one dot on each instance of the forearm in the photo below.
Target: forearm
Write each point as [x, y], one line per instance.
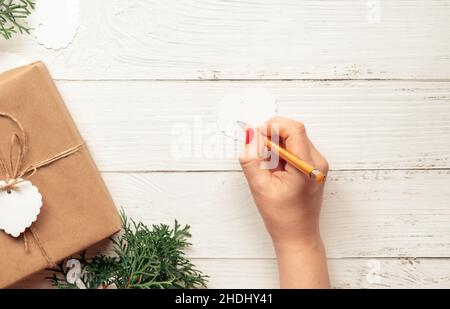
[303, 266]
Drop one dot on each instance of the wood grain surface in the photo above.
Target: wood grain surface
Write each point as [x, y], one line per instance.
[370, 79]
[288, 39]
[138, 126]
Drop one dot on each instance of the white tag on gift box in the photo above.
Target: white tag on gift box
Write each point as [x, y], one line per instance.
[19, 207]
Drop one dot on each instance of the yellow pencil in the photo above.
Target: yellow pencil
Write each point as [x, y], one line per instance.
[306, 168]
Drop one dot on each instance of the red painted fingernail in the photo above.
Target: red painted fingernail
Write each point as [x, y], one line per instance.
[249, 134]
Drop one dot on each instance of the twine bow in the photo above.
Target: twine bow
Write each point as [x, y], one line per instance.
[12, 170]
[15, 172]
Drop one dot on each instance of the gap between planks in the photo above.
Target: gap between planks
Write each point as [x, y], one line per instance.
[254, 80]
[238, 170]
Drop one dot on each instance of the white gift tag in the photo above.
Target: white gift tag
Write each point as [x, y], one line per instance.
[19, 208]
[252, 106]
[55, 22]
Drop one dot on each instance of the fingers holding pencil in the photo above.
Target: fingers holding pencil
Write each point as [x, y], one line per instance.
[287, 139]
[306, 158]
[292, 134]
[292, 137]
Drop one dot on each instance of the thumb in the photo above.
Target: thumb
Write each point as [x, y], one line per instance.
[251, 160]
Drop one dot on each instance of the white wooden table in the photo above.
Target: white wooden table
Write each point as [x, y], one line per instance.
[371, 83]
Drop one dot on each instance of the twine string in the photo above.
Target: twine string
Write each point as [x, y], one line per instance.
[15, 173]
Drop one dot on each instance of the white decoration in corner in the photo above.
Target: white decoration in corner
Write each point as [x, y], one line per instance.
[9, 61]
[253, 106]
[55, 22]
[19, 208]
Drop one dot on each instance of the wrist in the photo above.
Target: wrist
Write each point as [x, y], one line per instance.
[303, 264]
[304, 244]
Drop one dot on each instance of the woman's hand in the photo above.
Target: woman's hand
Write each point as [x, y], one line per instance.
[289, 202]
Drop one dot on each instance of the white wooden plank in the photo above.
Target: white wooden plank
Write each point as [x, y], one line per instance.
[366, 214]
[274, 39]
[344, 273]
[357, 125]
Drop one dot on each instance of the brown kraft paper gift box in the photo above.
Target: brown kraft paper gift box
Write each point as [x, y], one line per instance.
[77, 209]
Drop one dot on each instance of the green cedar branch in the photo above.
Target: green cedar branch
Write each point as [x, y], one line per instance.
[12, 16]
[143, 258]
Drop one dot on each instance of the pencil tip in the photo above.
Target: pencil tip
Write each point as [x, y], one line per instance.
[242, 124]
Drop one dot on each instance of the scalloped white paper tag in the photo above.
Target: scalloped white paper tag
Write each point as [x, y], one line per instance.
[251, 105]
[19, 208]
[55, 22]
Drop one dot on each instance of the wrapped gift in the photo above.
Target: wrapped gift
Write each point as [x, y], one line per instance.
[53, 201]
